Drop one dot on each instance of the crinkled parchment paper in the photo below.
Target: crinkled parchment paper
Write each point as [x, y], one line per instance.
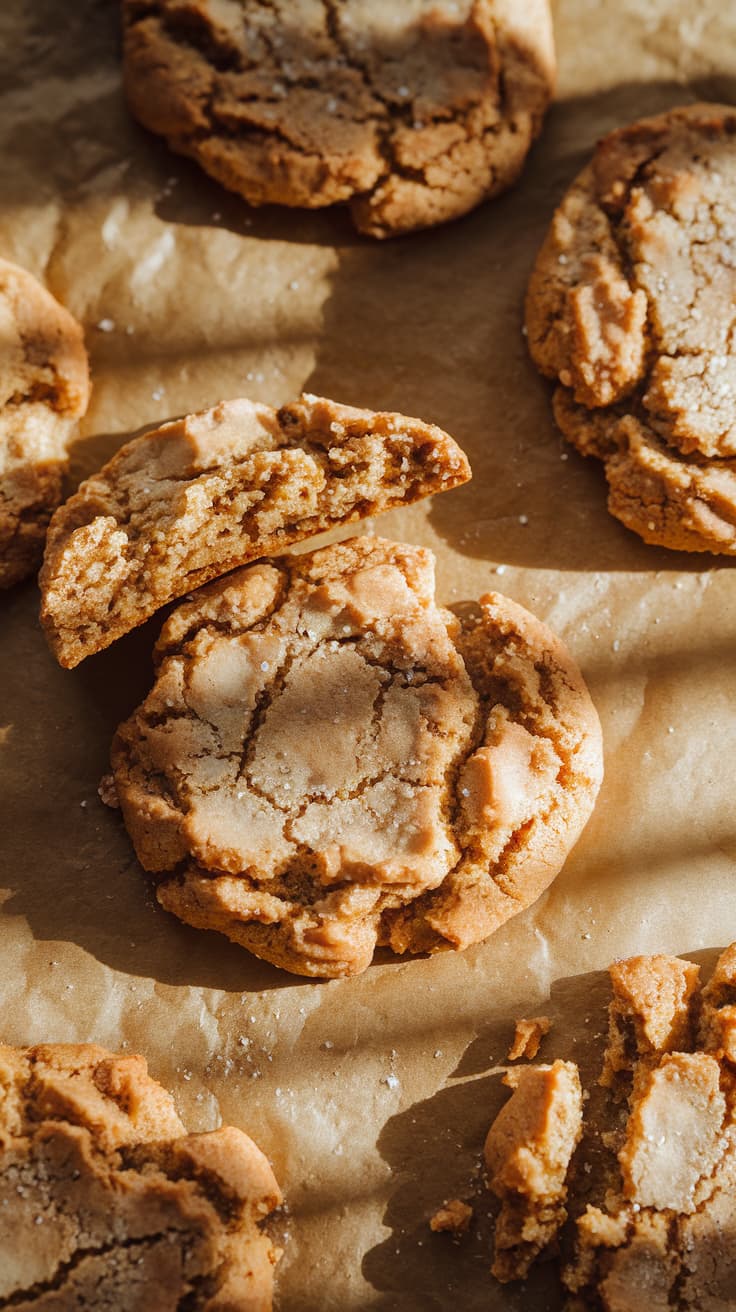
[370, 1095]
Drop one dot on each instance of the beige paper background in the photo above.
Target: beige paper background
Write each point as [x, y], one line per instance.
[370, 1095]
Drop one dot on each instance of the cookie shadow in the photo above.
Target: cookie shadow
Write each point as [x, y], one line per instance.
[435, 1151]
[431, 325]
[82, 884]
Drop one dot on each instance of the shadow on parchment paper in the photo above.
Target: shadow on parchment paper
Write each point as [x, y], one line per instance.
[430, 325]
[435, 1151]
[84, 885]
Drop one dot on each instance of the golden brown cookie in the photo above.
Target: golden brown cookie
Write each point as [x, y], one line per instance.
[44, 390]
[329, 761]
[193, 499]
[630, 310]
[107, 1203]
[413, 113]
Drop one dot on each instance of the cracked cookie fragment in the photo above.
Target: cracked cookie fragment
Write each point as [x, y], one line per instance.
[44, 391]
[106, 1202]
[191, 500]
[635, 1198]
[527, 1153]
[328, 761]
[630, 310]
[412, 113]
[528, 1036]
[652, 1012]
[665, 1236]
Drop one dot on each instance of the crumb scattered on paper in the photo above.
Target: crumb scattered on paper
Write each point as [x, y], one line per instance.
[454, 1215]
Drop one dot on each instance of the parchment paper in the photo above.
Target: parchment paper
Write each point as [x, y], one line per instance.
[372, 1095]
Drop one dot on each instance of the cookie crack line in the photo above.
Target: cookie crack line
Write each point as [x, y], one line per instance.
[66, 1270]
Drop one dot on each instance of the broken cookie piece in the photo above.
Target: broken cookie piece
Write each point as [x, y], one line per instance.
[629, 310]
[188, 502]
[644, 1219]
[106, 1202]
[328, 761]
[652, 1012]
[718, 1014]
[44, 391]
[528, 1036]
[528, 1152]
[412, 113]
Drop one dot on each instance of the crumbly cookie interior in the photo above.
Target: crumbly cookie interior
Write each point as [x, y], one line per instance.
[651, 1190]
[181, 505]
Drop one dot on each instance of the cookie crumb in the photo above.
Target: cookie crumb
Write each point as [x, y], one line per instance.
[108, 793]
[454, 1215]
[528, 1035]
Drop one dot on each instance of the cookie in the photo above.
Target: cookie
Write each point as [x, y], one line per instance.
[650, 1192]
[44, 390]
[106, 1202]
[410, 113]
[329, 762]
[629, 309]
[193, 499]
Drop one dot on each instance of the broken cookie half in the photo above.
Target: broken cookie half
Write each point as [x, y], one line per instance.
[328, 761]
[106, 1202]
[193, 499]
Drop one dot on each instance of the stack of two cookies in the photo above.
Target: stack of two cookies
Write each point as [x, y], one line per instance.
[328, 761]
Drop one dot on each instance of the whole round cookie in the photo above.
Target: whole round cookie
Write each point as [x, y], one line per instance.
[413, 112]
[328, 761]
[44, 390]
[106, 1202]
[630, 309]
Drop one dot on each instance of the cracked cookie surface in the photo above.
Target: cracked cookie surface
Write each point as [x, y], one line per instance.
[106, 1202]
[184, 504]
[329, 762]
[44, 391]
[630, 310]
[412, 113]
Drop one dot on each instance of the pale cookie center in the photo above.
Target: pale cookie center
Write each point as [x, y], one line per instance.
[315, 750]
